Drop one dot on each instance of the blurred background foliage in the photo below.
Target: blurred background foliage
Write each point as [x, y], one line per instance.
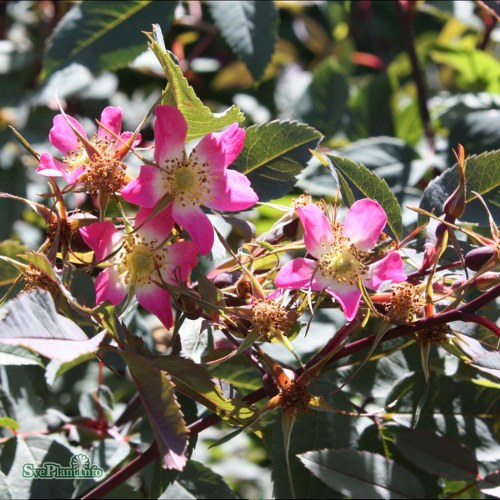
[343, 67]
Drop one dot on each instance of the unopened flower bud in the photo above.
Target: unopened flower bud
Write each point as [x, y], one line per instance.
[486, 281]
[478, 257]
[454, 206]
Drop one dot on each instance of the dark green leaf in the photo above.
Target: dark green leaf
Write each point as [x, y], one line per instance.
[158, 397]
[311, 431]
[482, 174]
[195, 381]
[104, 35]
[249, 28]
[9, 248]
[201, 121]
[437, 455]
[15, 355]
[274, 154]
[35, 450]
[31, 321]
[372, 187]
[477, 132]
[202, 482]
[360, 474]
[325, 100]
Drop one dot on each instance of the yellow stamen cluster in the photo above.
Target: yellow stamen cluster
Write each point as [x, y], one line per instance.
[187, 179]
[138, 260]
[294, 398]
[270, 316]
[34, 279]
[105, 172]
[302, 201]
[342, 261]
[406, 302]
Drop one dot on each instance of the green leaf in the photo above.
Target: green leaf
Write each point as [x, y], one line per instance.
[9, 248]
[482, 175]
[437, 455]
[372, 187]
[249, 28]
[4, 487]
[274, 154]
[202, 482]
[325, 99]
[9, 423]
[157, 392]
[195, 381]
[476, 69]
[310, 431]
[15, 355]
[30, 320]
[104, 35]
[35, 450]
[360, 474]
[56, 368]
[201, 121]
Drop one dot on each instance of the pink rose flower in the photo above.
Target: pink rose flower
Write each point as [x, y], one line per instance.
[191, 181]
[139, 260]
[341, 255]
[103, 153]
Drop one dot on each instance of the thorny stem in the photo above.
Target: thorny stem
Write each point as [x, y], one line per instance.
[407, 12]
[464, 313]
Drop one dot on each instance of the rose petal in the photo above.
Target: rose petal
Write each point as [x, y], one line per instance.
[317, 229]
[197, 224]
[111, 118]
[170, 130]
[102, 237]
[62, 136]
[109, 286]
[232, 192]
[50, 167]
[348, 296]
[156, 300]
[389, 268]
[364, 223]
[147, 189]
[296, 274]
[221, 149]
[154, 228]
[180, 260]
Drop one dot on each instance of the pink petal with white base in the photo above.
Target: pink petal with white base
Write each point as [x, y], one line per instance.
[222, 148]
[317, 229]
[111, 119]
[109, 286]
[348, 296]
[296, 274]
[102, 237]
[364, 223]
[390, 268]
[157, 227]
[50, 166]
[146, 190]
[197, 224]
[170, 131]
[180, 260]
[232, 193]
[61, 135]
[157, 301]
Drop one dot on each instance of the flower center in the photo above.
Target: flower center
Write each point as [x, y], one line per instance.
[138, 260]
[342, 262]
[186, 180]
[270, 316]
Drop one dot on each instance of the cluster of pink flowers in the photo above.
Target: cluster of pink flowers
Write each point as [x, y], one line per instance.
[148, 260]
[144, 259]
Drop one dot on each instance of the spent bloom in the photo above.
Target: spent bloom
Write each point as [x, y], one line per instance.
[140, 260]
[190, 181]
[95, 162]
[341, 255]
